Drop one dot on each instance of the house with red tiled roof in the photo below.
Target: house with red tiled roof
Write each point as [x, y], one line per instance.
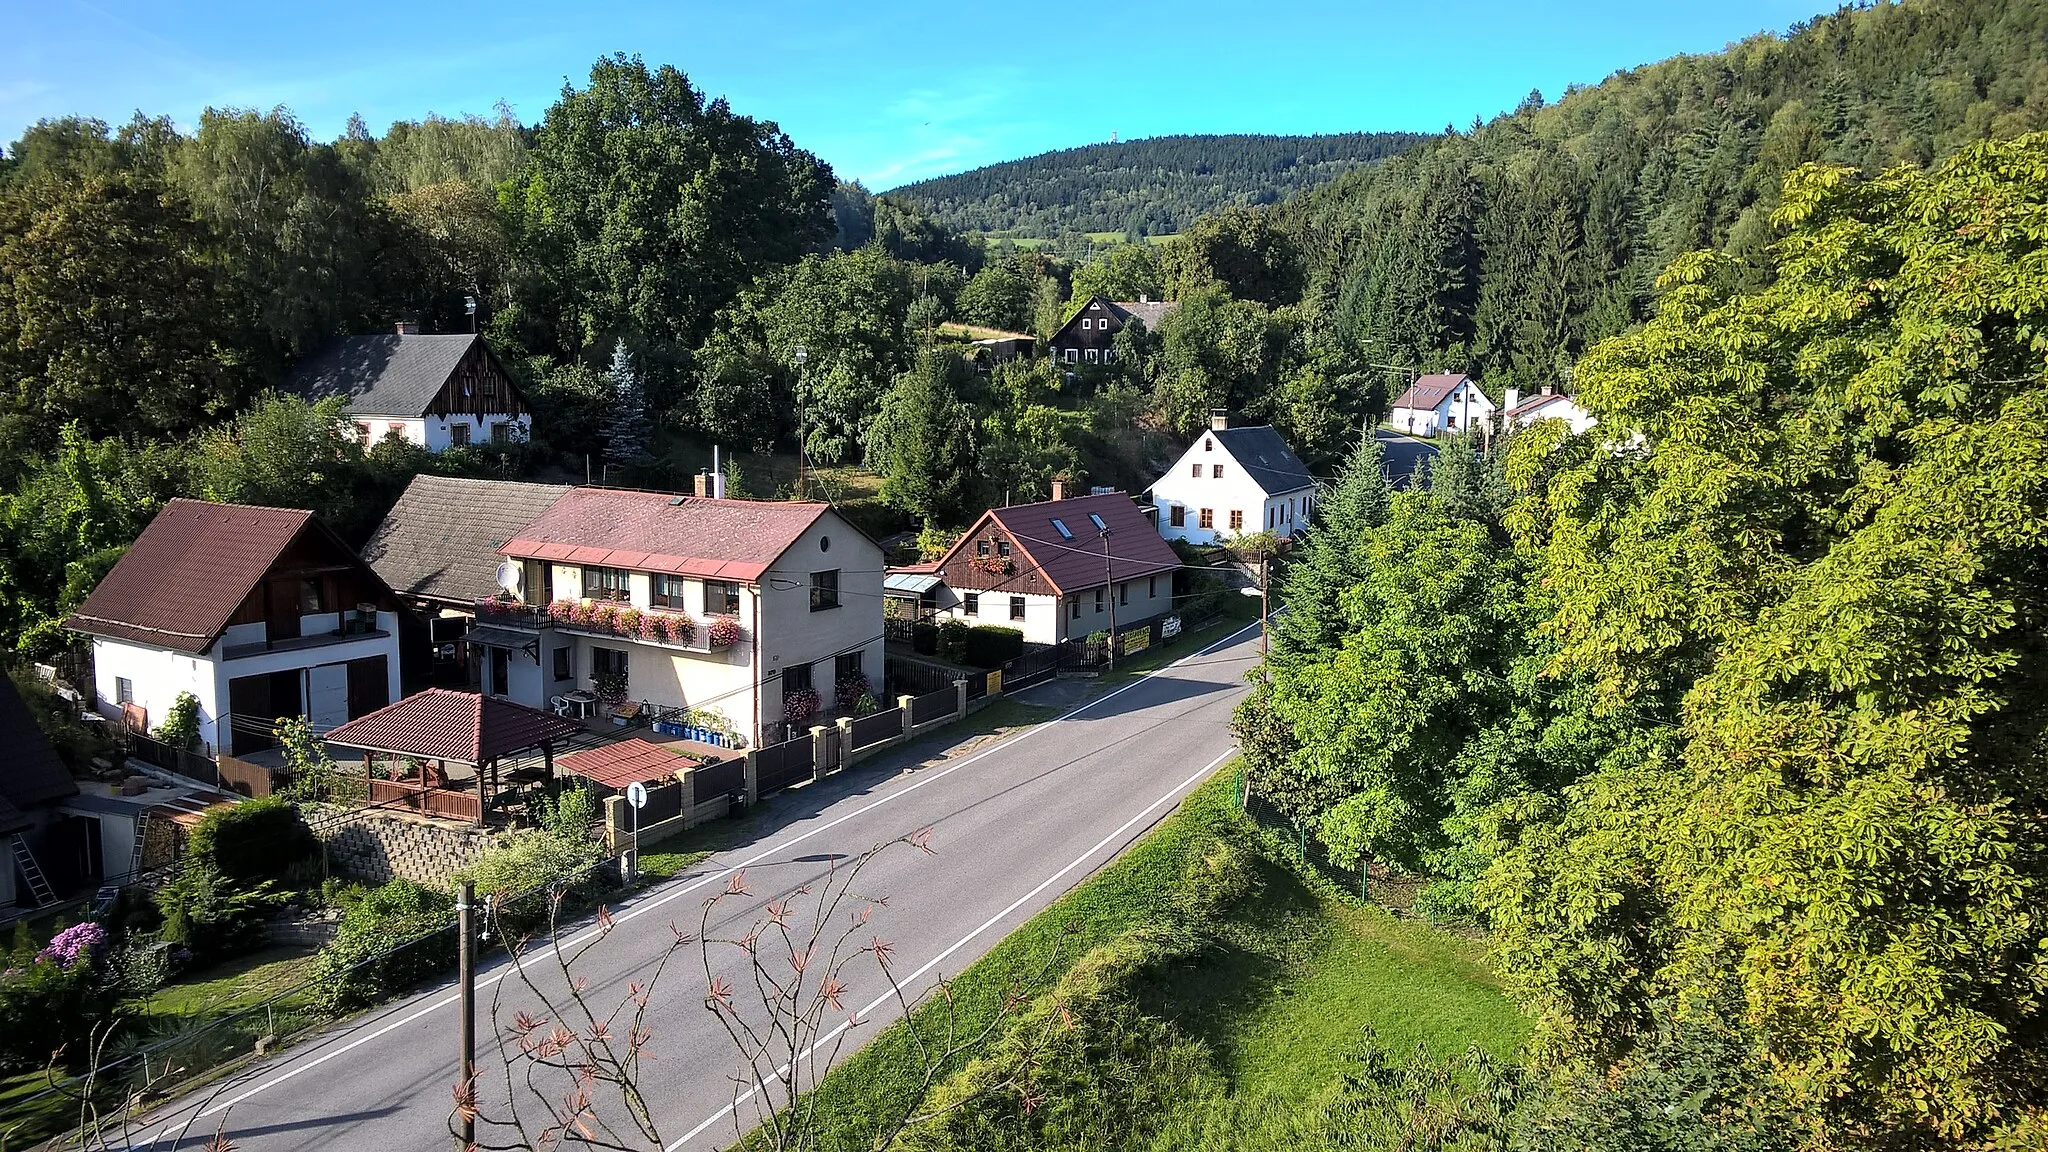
[1444, 402]
[259, 613]
[1547, 404]
[1059, 569]
[752, 610]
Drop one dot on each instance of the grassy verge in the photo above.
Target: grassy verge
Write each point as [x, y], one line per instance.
[227, 986]
[1275, 998]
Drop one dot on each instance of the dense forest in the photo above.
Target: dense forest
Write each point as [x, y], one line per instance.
[1510, 249]
[1151, 187]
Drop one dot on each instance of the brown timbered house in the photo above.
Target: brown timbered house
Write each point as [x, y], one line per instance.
[439, 392]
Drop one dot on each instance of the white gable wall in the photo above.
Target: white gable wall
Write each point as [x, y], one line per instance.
[1234, 491]
[1464, 408]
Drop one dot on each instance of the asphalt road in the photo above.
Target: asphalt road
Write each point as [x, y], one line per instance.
[1012, 827]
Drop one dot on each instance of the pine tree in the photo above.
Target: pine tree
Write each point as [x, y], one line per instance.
[625, 423]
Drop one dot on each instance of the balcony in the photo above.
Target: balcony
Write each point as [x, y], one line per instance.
[612, 621]
[349, 627]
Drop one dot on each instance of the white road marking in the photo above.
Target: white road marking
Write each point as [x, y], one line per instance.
[991, 922]
[685, 890]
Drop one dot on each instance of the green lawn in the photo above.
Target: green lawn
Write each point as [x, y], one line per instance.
[1279, 998]
[229, 985]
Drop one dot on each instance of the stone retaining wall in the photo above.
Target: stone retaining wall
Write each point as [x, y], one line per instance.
[375, 847]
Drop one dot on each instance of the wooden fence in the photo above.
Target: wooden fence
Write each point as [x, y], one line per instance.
[407, 796]
[932, 705]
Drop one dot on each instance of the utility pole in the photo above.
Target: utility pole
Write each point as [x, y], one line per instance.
[1109, 591]
[1265, 603]
[465, 966]
[801, 355]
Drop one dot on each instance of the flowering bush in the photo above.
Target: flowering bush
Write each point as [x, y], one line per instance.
[627, 621]
[605, 617]
[848, 692]
[654, 626]
[680, 628]
[725, 631]
[610, 687]
[580, 615]
[799, 704]
[80, 941]
[562, 611]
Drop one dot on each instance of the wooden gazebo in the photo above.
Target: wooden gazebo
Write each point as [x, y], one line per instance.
[439, 728]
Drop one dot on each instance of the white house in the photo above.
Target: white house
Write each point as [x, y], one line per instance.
[1445, 402]
[1231, 482]
[1060, 569]
[1550, 404]
[439, 392]
[736, 607]
[257, 612]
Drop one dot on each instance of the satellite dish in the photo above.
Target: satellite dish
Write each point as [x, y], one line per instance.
[509, 576]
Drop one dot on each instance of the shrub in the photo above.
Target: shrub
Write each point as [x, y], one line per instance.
[992, 646]
[211, 914]
[953, 641]
[848, 693]
[924, 638]
[400, 934]
[180, 728]
[557, 856]
[254, 840]
[45, 1006]
[84, 942]
[725, 631]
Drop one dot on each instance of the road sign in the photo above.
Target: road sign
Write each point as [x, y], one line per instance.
[636, 794]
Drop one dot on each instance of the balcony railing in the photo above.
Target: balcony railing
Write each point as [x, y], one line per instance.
[349, 626]
[617, 621]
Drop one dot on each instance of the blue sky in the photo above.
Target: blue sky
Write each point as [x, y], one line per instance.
[885, 93]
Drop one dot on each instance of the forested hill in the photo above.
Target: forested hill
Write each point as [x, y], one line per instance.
[1510, 249]
[1148, 187]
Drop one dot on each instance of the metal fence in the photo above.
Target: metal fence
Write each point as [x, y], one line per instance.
[1031, 668]
[190, 765]
[932, 705]
[781, 765]
[664, 802]
[878, 727]
[900, 674]
[724, 778]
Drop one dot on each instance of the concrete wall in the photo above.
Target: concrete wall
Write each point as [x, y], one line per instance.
[1041, 613]
[158, 675]
[1149, 596]
[376, 847]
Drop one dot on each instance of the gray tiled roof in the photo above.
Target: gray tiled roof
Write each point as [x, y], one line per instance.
[30, 772]
[1150, 311]
[441, 539]
[388, 375]
[1266, 457]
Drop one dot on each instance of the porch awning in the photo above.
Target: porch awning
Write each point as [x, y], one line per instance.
[499, 636]
[910, 583]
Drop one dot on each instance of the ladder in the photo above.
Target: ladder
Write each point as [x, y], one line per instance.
[38, 884]
[135, 857]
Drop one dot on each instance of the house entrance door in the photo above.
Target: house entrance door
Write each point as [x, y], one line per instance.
[327, 696]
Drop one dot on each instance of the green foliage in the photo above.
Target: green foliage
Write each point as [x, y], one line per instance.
[1237, 249]
[206, 911]
[180, 728]
[47, 1009]
[979, 645]
[1828, 547]
[252, 841]
[394, 937]
[1125, 272]
[312, 774]
[922, 440]
[557, 855]
[1152, 187]
[996, 297]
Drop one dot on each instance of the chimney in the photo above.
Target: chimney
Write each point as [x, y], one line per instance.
[408, 327]
[703, 486]
[1059, 489]
[1219, 419]
[1514, 397]
[1549, 388]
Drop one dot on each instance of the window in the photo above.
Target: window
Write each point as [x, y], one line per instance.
[970, 604]
[1196, 471]
[458, 434]
[607, 661]
[1151, 587]
[668, 591]
[606, 583]
[502, 432]
[367, 432]
[1095, 307]
[1237, 519]
[1003, 548]
[124, 690]
[1060, 526]
[1100, 595]
[310, 600]
[1108, 355]
[1208, 444]
[395, 429]
[1216, 471]
[721, 598]
[1086, 324]
[824, 590]
[1016, 607]
[1097, 521]
[796, 678]
[1073, 354]
[1177, 516]
[1123, 593]
[1450, 421]
[1093, 355]
[565, 663]
[1074, 607]
[1208, 518]
[847, 666]
[490, 384]
[1269, 516]
[981, 547]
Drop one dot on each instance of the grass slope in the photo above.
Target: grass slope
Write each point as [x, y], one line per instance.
[1279, 996]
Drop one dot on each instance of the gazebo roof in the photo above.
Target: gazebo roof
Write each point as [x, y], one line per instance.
[439, 724]
[623, 763]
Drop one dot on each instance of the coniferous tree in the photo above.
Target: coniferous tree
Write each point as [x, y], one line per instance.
[625, 421]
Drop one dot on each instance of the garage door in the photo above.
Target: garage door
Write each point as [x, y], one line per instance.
[327, 696]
